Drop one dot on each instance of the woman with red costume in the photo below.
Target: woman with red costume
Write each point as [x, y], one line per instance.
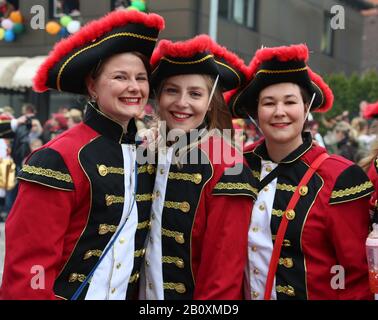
[198, 240]
[78, 227]
[310, 220]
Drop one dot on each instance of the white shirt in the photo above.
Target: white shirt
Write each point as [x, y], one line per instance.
[111, 278]
[260, 246]
[151, 280]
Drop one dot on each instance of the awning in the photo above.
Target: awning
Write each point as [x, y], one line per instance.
[23, 78]
[8, 67]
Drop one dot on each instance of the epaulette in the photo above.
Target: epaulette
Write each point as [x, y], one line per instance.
[236, 181]
[351, 184]
[47, 167]
[376, 164]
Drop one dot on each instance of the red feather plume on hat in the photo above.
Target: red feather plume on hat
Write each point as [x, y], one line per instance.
[190, 47]
[326, 90]
[370, 110]
[283, 53]
[90, 32]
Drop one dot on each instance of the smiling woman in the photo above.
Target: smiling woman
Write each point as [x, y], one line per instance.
[198, 239]
[307, 200]
[84, 202]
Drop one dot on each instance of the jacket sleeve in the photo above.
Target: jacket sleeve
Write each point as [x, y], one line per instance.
[348, 225]
[35, 231]
[224, 250]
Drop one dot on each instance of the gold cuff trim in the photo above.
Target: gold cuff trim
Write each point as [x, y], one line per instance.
[178, 287]
[134, 277]
[176, 260]
[235, 186]
[57, 175]
[183, 206]
[150, 169]
[178, 236]
[112, 199]
[105, 228]
[351, 191]
[92, 253]
[288, 290]
[192, 177]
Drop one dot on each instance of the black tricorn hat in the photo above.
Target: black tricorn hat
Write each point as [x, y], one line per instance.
[276, 65]
[199, 55]
[72, 59]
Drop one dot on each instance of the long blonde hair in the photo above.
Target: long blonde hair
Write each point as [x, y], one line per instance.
[366, 162]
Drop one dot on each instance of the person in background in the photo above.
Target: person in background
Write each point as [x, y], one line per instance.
[304, 221]
[346, 143]
[74, 117]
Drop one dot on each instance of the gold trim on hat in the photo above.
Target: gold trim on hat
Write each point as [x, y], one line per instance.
[120, 34]
[281, 71]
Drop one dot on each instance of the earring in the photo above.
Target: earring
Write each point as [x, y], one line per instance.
[94, 98]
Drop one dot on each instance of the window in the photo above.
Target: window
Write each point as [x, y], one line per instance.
[120, 4]
[6, 7]
[240, 11]
[60, 8]
[326, 45]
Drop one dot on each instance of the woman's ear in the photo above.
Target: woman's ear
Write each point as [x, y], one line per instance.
[90, 83]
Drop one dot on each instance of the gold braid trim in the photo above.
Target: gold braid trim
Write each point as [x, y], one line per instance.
[286, 262]
[112, 170]
[76, 277]
[256, 174]
[57, 175]
[150, 169]
[194, 177]
[144, 197]
[139, 253]
[112, 199]
[144, 225]
[286, 187]
[235, 186]
[178, 236]
[277, 213]
[288, 290]
[286, 243]
[281, 71]
[92, 253]
[178, 287]
[105, 228]
[183, 206]
[176, 260]
[351, 191]
[188, 62]
[134, 277]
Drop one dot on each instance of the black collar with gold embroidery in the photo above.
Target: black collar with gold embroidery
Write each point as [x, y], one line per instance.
[262, 152]
[107, 127]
